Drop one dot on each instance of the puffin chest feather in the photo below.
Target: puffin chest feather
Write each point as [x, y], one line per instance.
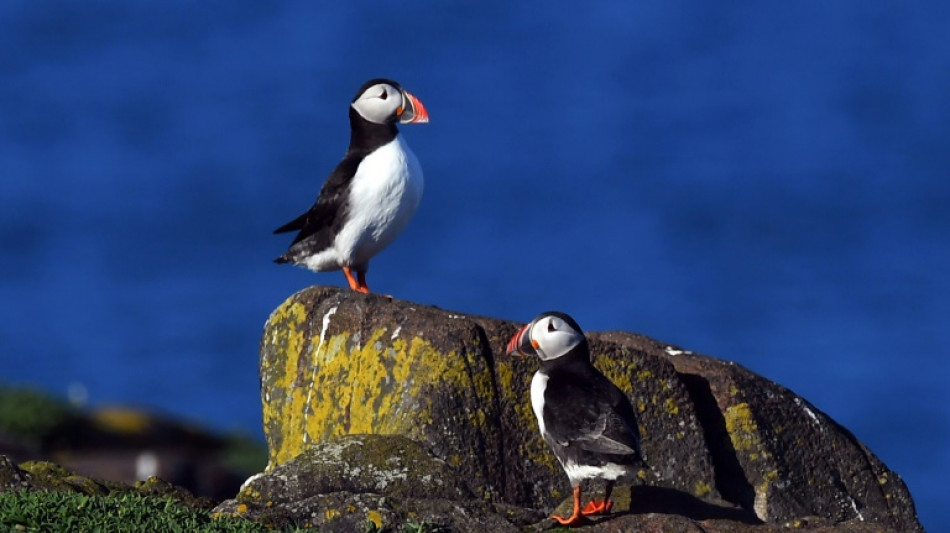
[539, 384]
[383, 196]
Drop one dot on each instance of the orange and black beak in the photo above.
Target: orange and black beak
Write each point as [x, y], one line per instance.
[413, 112]
[521, 343]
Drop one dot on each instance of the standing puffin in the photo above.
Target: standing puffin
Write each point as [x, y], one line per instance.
[370, 196]
[585, 419]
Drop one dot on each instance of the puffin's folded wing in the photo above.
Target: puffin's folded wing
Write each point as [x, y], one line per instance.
[576, 415]
[611, 436]
[329, 209]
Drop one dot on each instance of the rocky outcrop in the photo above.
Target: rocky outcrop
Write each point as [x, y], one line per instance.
[351, 482]
[51, 477]
[723, 444]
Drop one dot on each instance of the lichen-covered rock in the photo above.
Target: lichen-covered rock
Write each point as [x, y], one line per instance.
[335, 362]
[47, 476]
[379, 464]
[348, 482]
[781, 456]
[336, 365]
[12, 478]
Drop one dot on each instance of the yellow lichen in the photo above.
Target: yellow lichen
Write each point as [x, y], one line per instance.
[671, 407]
[241, 508]
[702, 489]
[616, 371]
[280, 373]
[376, 518]
[372, 388]
[742, 429]
[331, 514]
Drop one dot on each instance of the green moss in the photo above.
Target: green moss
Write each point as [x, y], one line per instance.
[50, 476]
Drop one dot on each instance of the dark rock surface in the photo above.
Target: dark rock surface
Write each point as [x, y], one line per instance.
[729, 450]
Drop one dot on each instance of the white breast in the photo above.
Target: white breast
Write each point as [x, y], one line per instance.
[383, 196]
[538, 384]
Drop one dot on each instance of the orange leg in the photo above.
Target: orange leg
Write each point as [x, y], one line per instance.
[364, 288]
[603, 506]
[350, 279]
[575, 517]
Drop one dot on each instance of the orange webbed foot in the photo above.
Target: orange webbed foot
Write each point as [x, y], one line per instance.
[573, 520]
[597, 507]
[576, 516]
[363, 287]
[358, 285]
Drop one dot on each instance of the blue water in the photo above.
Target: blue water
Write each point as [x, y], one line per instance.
[763, 182]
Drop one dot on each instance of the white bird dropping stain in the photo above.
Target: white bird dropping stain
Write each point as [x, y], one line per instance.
[313, 375]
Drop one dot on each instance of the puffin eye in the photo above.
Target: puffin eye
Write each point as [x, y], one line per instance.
[551, 326]
[384, 95]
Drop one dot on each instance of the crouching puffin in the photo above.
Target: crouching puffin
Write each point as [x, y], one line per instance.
[585, 419]
[370, 196]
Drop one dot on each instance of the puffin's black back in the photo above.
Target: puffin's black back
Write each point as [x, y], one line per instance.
[586, 411]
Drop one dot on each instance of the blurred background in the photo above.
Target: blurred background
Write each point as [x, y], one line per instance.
[765, 183]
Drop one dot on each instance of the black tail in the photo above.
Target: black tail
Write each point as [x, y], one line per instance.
[293, 225]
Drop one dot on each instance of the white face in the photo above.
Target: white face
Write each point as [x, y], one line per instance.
[379, 103]
[554, 337]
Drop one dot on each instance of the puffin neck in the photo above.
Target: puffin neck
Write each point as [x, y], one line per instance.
[366, 136]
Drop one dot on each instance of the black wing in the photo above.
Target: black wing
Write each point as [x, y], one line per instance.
[329, 211]
[590, 412]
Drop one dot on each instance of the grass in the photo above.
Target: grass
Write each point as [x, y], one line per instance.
[36, 511]
[54, 512]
